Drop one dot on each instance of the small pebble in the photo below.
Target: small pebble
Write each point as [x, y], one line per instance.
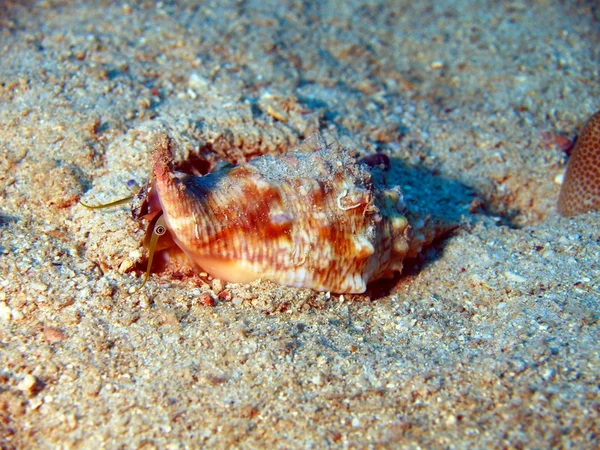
[198, 83]
[125, 265]
[52, 334]
[206, 299]
[4, 312]
[40, 287]
[28, 384]
[217, 286]
[224, 296]
[511, 276]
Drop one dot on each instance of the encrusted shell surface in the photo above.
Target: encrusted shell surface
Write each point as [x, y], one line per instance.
[316, 218]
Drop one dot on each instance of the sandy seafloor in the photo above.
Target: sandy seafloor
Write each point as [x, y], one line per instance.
[491, 339]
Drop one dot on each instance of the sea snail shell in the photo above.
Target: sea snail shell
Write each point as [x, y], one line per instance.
[317, 219]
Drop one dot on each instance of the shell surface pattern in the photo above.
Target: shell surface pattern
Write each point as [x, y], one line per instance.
[580, 191]
[317, 219]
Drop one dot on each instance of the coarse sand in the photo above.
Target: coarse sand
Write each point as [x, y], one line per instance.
[489, 340]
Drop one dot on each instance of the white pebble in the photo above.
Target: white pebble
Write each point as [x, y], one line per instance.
[4, 312]
[27, 383]
[514, 277]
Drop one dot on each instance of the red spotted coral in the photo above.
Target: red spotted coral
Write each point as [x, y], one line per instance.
[580, 191]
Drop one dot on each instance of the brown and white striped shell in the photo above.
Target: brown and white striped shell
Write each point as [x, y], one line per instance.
[316, 219]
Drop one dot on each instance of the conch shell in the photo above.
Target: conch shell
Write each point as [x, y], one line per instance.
[316, 219]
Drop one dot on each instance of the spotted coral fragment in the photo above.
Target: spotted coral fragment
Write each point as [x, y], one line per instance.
[580, 192]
